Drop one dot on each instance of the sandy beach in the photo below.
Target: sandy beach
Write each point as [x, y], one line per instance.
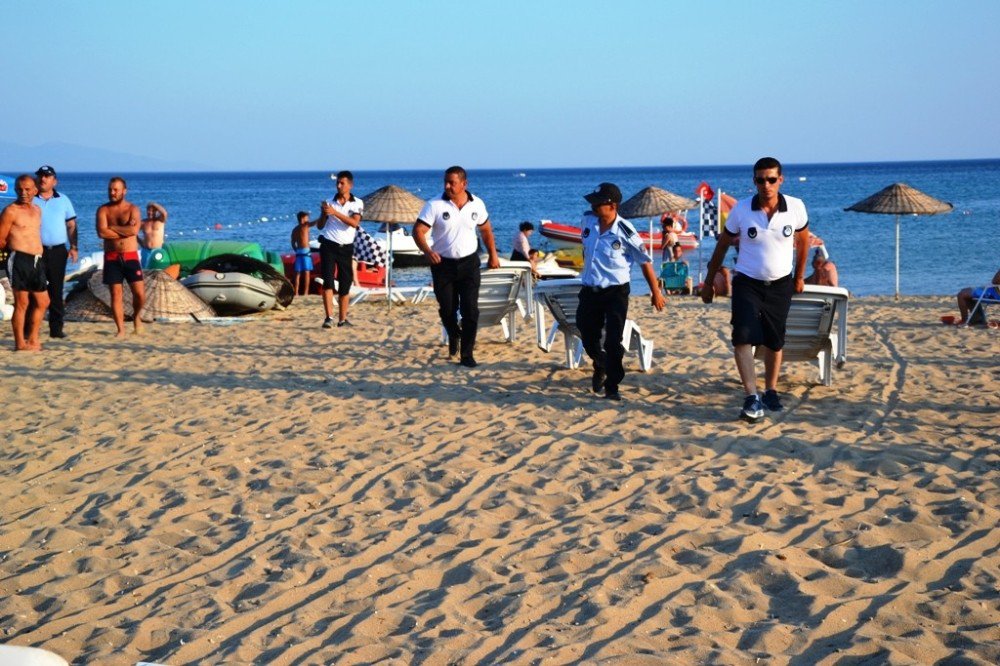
[270, 492]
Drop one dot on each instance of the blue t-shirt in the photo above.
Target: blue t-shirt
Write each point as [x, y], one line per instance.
[608, 257]
[56, 212]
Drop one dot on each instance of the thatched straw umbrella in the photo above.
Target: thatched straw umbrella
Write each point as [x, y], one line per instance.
[900, 199]
[654, 202]
[392, 205]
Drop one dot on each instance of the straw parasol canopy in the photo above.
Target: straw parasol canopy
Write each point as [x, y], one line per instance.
[392, 205]
[169, 300]
[900, 199]
[84, 306]
[166, 298]
[653, 202]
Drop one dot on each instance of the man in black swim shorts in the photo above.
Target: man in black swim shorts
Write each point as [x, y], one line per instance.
[20, 233]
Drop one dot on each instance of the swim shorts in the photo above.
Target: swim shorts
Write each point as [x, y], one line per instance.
[26, 271]
[303, 260]
[122, 266]
[760, 310]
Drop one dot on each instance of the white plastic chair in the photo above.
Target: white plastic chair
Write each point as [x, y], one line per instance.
[809, 331]
[560, 298]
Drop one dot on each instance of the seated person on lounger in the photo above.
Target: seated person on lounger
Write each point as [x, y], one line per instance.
[677, 251]
[968, 296]
[824, 271]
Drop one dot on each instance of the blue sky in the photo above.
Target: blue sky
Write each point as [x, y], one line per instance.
[399, 85]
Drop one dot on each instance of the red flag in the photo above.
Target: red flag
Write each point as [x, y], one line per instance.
[705, 191]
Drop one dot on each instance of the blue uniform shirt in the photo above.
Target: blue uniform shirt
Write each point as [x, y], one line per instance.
[608, 257]
[56, 212]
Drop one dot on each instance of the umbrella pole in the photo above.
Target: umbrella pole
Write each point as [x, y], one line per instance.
[651, 255]
[897, 257]
[388, 267]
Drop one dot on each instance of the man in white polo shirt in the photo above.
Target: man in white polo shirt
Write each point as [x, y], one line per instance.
[339, 223]
[58, 230]
[772, 229]
[454, 218]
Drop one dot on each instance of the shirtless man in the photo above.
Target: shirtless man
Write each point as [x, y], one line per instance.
[21, 234]
[118, 224]
[152, 226]
[824, 271]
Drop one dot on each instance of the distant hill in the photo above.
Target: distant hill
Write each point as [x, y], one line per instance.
[16, 158]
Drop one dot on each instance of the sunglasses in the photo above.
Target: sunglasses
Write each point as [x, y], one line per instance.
[760, 181]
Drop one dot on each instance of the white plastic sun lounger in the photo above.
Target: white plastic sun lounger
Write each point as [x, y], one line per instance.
[560, 298]
[810, 334]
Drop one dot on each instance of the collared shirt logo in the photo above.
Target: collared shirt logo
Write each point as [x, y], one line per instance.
[752, 232]
[475, 216]
[586, 232]
[787, 230]
[617, 245]
[446, 215]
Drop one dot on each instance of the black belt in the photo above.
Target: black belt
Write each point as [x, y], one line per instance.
[327, 241]
[601, 290]
[52, 247]
[465, 258]
[766, 283]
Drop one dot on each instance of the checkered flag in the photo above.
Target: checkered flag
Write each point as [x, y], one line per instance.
[709, 219]
[368, 251]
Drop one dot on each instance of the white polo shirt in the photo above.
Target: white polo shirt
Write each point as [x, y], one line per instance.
[767, 247]
[335, 230]
[453, 229]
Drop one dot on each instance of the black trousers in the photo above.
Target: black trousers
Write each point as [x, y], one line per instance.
[334, 254]
[55, 257]
[456, 288]
[604, 310]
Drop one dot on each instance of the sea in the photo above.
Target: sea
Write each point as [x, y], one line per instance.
[939, 254]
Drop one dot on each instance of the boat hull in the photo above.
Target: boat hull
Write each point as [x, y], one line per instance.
[568, 236]
[231, 293]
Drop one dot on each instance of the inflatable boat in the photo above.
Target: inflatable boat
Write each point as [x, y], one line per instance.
[231, 293]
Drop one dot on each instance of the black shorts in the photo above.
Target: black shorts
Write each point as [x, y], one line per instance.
[27, 272]
[334, 254]
[760, 310]
[121, 267]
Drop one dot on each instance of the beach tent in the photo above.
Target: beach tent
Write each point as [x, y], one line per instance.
[391, 205]
[900, 199]
[654, 202]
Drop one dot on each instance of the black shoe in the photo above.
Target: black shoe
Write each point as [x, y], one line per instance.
[60, 334]
[453, 344]
[328, 322]
[613, 395]
[753, 409]
[597, 381]
[468, 362]
[771, 401]
[346, 322]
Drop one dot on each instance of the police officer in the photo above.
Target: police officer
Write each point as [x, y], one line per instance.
[610, 246]
[58, 230]
[772, 228]
[452, 219]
